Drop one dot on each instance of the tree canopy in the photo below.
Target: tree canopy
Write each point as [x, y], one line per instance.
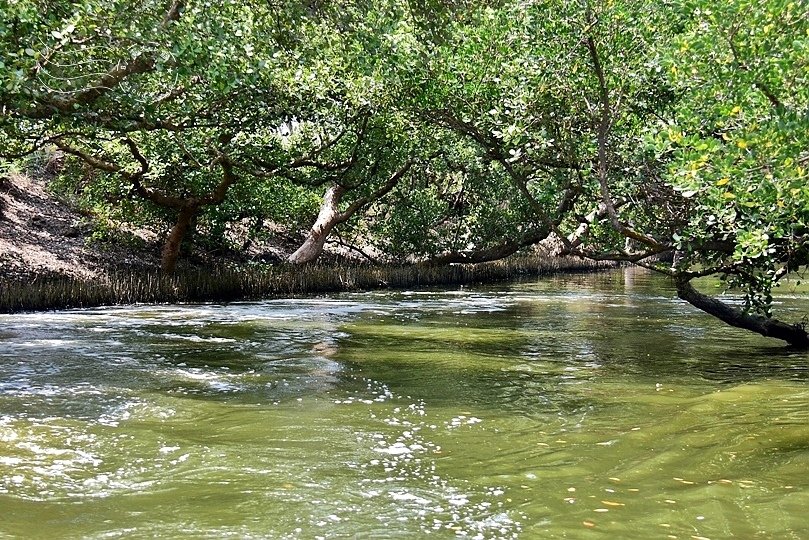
[442, 131]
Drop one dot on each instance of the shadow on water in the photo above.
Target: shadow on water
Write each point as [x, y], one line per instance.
[557, 332]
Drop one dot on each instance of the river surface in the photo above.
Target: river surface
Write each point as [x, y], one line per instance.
[582, 406]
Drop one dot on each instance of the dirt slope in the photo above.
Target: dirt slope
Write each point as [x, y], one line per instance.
[40, 236]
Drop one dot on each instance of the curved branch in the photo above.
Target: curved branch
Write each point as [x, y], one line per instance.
[91, 160]
[115, 75]
[228, 179]
[330, 216]
[143, 63]
[794, 334]
[133, 148]
[383, 190]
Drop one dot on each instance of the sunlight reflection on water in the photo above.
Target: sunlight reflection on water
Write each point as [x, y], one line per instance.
[547, 409]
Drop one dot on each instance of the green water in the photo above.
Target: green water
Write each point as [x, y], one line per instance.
[591, 406]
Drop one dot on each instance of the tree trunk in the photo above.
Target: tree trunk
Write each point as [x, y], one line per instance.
[171, 249]
[328, 217]
[794, 334]
[331, 216]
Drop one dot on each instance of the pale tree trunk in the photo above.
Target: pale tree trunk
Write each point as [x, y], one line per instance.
[794, 334]
[171, 249]
[328, 217]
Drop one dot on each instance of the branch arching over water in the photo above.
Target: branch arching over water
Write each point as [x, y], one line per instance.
[794, 334]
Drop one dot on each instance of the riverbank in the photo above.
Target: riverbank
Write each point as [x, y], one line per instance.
[225, 284]
[45, 238]
[53, 256]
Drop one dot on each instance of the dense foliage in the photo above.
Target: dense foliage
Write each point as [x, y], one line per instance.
[446, 131]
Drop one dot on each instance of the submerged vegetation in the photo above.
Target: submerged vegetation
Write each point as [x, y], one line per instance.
[244, 283]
